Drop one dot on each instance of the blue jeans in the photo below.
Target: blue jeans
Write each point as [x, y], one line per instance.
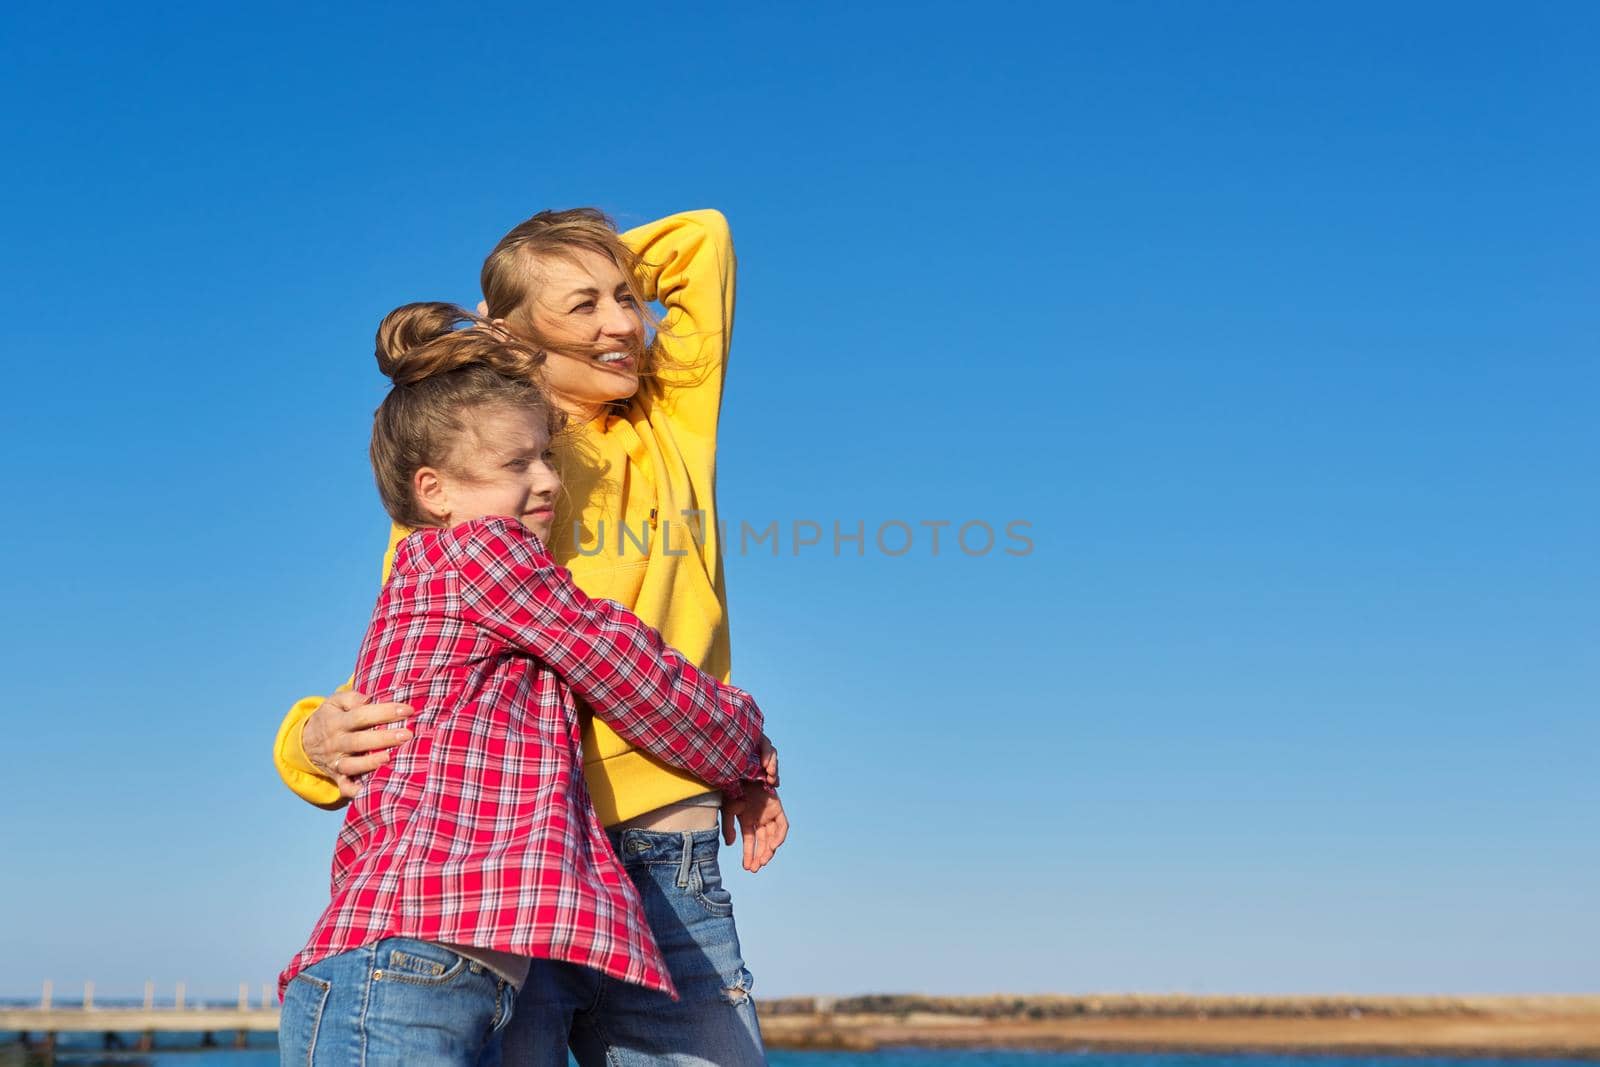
[613, 1024]
[399, 1001]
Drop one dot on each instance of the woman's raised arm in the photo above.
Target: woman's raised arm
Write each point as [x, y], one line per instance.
[688, 265]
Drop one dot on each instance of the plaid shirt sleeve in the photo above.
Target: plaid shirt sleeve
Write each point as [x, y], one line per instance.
[654, 698]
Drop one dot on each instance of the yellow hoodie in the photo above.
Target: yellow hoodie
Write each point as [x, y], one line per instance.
[645, 532]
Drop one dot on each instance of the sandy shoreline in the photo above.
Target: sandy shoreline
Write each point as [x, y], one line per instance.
[1544, 1027]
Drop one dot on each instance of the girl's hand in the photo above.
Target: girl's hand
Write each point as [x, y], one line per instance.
[346, 738]
[761, 819]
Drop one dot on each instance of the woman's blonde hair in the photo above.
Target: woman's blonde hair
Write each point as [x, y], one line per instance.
[445, 363]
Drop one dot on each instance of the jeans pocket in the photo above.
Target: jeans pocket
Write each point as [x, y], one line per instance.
[301, 1018]
[417, 962]
[427, 1004]
[705, 882]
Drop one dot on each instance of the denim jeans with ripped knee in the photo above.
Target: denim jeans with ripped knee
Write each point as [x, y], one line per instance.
[607, 1023]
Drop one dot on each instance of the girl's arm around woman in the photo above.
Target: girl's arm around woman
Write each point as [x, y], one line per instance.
[649, 694]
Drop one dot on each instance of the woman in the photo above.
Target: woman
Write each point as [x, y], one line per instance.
[641, 529]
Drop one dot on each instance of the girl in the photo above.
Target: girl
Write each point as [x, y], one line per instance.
[643, 454]
[475, 848]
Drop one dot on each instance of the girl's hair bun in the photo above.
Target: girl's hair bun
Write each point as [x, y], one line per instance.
[404, 333]
[418, 341]
[445, 362]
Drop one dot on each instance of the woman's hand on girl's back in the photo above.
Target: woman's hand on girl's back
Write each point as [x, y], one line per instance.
[347, 737]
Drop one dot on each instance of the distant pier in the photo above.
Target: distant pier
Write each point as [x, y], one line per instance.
[39, 1027]
[135, 1028]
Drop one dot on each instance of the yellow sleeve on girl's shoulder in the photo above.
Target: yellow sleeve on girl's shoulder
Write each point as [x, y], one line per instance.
[688, 266]
[289, 754]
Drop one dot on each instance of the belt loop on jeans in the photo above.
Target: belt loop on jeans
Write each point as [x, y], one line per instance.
[688, 855]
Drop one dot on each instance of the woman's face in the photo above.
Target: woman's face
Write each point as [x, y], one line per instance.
[582, 302]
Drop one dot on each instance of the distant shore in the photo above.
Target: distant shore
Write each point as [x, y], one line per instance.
[1534, 1027]
[1491, 1027]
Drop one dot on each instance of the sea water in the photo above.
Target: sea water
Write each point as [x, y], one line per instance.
[261, 1054]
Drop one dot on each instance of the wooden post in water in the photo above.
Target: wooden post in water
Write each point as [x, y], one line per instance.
[244, 996]
[47, 995]
[177, 1001]
[149, 995]
[88, 996]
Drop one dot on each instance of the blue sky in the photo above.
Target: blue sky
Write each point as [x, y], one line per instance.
[1276, 323]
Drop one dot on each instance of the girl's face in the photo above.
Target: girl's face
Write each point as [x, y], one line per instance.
[582, 302]
[503, 467]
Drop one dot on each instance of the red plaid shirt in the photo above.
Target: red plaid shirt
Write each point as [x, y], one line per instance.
[479, 831]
